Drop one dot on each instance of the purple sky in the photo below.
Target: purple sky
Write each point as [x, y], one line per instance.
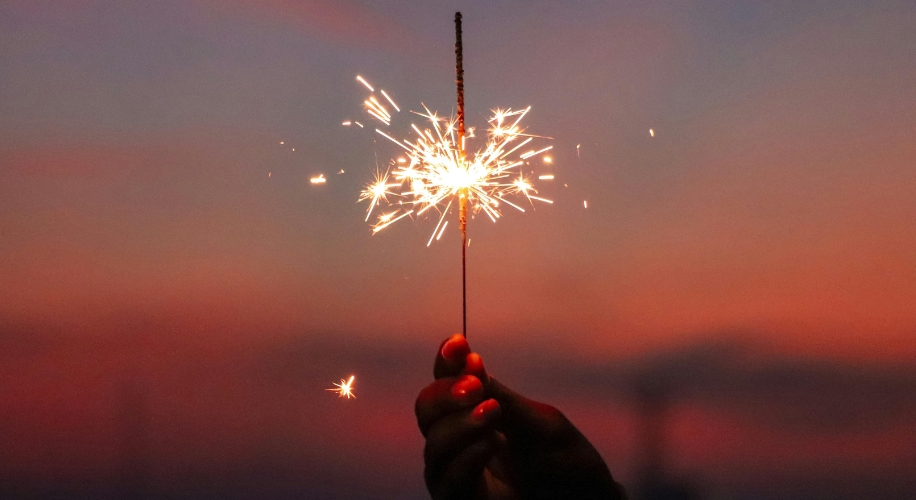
[175, 295]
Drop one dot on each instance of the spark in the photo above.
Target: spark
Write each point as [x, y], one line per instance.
[281, 143]
[358, 123]
[585, 203]
[318, 179]
[548, 177]
[386, 220]
[396, 108]
[341, 171]
[432, 169]
[651, 133]
[364, 82]
[379, 189]
[577, 150]
[347, 123]
[344, 388]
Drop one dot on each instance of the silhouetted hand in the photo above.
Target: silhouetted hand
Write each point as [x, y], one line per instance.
[484, 441]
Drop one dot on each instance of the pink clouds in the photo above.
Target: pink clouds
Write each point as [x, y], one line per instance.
[346, 22]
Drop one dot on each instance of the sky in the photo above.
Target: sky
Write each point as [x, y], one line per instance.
[175, 295]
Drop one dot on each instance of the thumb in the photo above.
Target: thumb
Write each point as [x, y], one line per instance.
[526, 419]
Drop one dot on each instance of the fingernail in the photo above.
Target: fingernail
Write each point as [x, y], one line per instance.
[486, 410]
[473, 365]
[465, 388]
[456, 348]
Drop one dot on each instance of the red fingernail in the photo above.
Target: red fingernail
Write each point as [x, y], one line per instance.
[456, 348]
[466, 387]
[486, 410]
[473, 365]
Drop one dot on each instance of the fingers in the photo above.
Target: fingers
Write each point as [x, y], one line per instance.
[463, 475]
[458, 447]
[445, 396]
[473, 365]
[451, 433]
[451, 357]
[525, 418]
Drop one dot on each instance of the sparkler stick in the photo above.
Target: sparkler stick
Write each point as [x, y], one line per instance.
[463, 193]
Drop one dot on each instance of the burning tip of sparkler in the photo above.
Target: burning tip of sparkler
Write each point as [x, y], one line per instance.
[344, 388]
[318, 179]
[651, 133]
[433, 170]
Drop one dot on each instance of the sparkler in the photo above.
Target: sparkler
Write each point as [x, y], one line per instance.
[344, 388]
[437, 172]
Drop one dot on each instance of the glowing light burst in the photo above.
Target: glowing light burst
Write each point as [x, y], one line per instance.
[344, 388]
[436, 171]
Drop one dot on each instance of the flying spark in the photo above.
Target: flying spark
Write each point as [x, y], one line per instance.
[344, 388]
[433, 171]
[318, 179]
[651, 133]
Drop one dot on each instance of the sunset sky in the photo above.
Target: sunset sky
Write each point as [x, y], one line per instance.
[175, 295]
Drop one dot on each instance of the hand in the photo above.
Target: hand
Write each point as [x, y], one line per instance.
[485, 442]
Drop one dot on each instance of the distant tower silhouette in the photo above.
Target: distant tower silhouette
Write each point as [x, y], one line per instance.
[653, 395]
[135, 435]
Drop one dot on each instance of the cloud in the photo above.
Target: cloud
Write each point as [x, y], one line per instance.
[341, 21]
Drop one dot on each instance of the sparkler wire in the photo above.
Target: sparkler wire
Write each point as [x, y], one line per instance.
[463, 194]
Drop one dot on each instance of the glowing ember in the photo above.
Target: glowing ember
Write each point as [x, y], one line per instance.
[344, 388]
[318, 179]
[434, 172]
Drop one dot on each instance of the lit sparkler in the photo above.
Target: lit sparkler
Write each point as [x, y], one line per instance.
[344, 388]
[438, 174]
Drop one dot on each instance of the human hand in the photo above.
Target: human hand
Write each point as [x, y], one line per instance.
[486, 442]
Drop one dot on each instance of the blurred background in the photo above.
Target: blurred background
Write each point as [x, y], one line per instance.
[730, 317]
